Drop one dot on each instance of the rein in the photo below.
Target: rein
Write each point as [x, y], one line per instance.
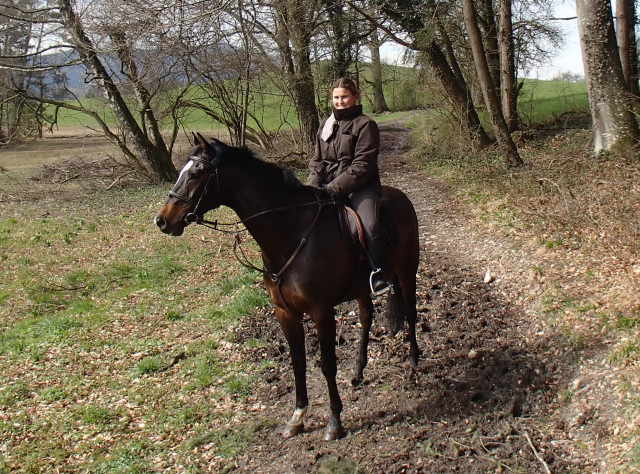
[237, 247]
[276, 277]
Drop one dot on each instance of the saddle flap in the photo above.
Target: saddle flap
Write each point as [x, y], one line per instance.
[353, 230]
[352, 225]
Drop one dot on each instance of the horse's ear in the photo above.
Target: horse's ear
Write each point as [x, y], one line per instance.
[214, 148]
[201, 140]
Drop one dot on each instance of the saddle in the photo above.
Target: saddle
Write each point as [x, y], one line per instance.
[353, 231]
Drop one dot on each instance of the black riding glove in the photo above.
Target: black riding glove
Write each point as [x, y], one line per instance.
[330, 192]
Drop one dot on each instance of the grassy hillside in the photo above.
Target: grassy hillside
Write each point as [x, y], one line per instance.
[541, 101]
[270, 106]
[97, 310]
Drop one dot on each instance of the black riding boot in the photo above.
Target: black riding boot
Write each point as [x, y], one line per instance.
[378, 250]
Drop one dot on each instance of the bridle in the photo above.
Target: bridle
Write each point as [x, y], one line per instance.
[193, 217]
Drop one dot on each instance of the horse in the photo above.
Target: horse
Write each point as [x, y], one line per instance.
[309, 266]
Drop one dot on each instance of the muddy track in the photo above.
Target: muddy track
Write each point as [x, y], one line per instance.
[484, 398]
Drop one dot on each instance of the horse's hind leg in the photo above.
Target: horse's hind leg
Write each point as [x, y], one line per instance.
[409, 299]
[366, 316]
[326, 327]
[294, 333]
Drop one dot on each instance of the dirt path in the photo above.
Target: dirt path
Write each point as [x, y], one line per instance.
[485, 398]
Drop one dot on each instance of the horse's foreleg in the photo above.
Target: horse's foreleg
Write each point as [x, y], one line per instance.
[366, 316]
[294, 333]
[326, 328]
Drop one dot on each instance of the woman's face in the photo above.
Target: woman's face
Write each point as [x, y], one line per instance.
[343, 98]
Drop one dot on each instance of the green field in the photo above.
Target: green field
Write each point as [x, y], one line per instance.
[541, 101]
[271, 107]
[538, 101]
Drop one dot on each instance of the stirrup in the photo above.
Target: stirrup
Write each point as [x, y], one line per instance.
[382, 285]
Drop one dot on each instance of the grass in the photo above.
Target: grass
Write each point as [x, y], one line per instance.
[96, 303]
[334, 465]
[543, 101]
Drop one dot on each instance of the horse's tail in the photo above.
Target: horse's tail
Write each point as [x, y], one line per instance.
[395, 309]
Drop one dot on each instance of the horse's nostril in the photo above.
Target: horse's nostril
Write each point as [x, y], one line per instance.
[160, 222]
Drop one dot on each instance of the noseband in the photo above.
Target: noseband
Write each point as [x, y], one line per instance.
[192, 216]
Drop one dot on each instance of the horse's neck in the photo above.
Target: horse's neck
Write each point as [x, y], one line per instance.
[272, 213]
[256, 194]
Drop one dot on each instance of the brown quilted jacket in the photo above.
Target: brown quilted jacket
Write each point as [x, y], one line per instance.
[348, 160]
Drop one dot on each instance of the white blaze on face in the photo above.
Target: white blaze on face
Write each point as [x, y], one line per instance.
[185, 169]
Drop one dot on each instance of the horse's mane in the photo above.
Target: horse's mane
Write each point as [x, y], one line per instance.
[266, 168]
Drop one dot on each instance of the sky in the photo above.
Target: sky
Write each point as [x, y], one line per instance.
[569, 57]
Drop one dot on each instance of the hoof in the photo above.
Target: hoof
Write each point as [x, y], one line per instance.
[292, 430]
[333, 432]
[356, 380]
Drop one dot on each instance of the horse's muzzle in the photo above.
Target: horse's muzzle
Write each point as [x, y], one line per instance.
[162, 224]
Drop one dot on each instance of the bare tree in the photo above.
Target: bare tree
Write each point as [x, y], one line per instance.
[136, 55]
[296, 21]
[613, 122]
[229, 62]
[507, 147]
[19, 31]
[116, 45]
[283, 31]
[535, 35]
[154, 157]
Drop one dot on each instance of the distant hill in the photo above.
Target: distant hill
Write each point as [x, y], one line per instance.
[74, 77]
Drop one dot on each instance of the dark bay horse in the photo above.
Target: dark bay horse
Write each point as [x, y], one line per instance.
[309, 267]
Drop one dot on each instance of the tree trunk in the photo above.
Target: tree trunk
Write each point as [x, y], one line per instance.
[293, 35]
[155, 161]
[507, 147]
[614, 125]
[303, 93]
[626, 35]
[459, 94]
[508, 86]
[379, 103]
[143, 96]
[449, 51]
[486, 21]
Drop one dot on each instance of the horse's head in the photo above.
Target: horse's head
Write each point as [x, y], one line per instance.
[196, 191]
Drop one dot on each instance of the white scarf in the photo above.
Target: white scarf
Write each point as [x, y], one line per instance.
[327, 130]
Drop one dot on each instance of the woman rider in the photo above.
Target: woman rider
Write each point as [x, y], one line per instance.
[345, 163]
